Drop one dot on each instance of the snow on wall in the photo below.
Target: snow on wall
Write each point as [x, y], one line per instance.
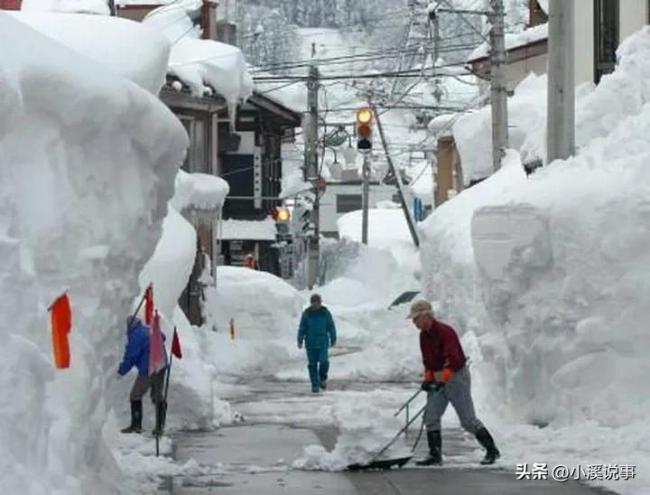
[124, 47]
[78, 213]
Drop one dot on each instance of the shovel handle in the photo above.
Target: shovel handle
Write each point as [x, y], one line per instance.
[389, 444]
[408, 402]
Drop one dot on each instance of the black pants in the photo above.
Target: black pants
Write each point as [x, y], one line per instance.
[155, 382]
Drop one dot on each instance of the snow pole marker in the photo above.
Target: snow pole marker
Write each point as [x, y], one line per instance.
[174, 351]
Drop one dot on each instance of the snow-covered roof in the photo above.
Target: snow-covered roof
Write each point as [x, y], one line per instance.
[248, 230]
[70, 6]
[187, 4]
[442, 125]
[513, 41]
[124, 47]
[204, 66]
[202, 191]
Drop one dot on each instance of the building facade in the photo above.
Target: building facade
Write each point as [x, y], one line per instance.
[600, 26]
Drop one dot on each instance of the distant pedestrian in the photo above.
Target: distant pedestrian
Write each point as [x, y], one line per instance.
[136, 353]
[446, 379]
[318, 332]
[251, 262]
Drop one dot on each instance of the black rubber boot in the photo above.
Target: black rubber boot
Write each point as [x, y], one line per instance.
[486, 440]
[136, 418]
[434, 439]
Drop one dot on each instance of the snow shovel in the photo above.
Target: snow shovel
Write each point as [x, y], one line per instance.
[376, 463]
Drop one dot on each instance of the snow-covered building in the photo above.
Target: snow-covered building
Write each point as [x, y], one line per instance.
[250, 160]
[600, 26]
[234, 133]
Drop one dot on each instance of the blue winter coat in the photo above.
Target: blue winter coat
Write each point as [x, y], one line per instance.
[136, 352]
[317, 329]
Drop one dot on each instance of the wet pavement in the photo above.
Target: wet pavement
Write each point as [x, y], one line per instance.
[255, 457]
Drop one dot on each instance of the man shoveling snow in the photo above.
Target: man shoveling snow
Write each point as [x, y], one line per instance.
[446, 379]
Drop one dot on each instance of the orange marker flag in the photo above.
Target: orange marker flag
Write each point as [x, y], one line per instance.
[61, 318]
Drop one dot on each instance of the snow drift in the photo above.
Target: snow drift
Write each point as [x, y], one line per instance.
[82, 214]
[124, 47]
[561, 262]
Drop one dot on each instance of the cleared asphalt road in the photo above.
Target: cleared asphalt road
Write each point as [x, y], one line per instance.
[254, 458]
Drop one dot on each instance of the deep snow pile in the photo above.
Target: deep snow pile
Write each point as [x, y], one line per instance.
[204, 66]
[562, 264]
[448, 275]
[122, 46]
[387, 230]
[527, 120]
[366, 427]
[82, 214]
[265, 312]
[596, 116]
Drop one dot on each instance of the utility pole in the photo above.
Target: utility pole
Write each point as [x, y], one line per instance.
[398, 179]
[560, 130]
[366, 197]
[311, 175]
[499, 89]
[437, 92]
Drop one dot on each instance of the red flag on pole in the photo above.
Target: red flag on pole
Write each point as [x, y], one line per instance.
[176, 345]
[61, 319]
[148, 305]
[156, 347]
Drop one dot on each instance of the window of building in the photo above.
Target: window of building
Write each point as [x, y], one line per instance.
[606, 25]
[348, 202]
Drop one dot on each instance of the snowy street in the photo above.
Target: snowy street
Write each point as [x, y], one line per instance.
[324, 247]
[259, 453]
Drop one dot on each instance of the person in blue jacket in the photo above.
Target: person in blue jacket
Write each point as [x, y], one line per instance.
[318, 332]
[136, 353]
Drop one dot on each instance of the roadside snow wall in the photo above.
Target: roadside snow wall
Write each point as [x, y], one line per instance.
[561, 261]
[87, 165]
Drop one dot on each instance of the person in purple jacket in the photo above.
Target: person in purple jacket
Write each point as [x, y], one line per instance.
[446, 379]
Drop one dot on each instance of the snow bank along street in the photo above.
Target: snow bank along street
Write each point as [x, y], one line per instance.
[383, 247]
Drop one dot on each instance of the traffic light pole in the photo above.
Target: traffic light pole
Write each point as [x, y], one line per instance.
[398, 179]
[366, 197]
[311, 175]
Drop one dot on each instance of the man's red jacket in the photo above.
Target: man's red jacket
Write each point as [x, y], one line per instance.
[441, 349]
